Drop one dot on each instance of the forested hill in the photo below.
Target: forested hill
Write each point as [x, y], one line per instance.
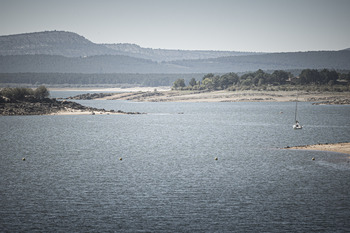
[160, 55]
[271, 61]
[70, 44]
[51, 43]
[125, 64]
[67, 52]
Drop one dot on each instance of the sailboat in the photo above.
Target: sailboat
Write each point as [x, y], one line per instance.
[296, 125]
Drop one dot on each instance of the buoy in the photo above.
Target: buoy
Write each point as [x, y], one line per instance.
[216, 158]
[24, 159]
[120, 158]
[313, 158]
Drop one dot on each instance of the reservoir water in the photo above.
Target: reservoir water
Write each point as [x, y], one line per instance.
[72, 179]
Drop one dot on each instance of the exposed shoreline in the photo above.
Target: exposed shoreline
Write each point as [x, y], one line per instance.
[74, 112]
[164, 95]
[48, 106]
[343, 147]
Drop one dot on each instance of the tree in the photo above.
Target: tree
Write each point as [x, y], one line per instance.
[41, 92]
[280, 76]
[208, 83]
[210, 75]
[18, 93]
[192, 82]
[180, 83]
[308, 76]
[233, 79]
[328, 76]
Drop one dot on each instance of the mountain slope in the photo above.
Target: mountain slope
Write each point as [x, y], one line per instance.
[70, 44]
[67, 52]
[160, 55]
[51, 43]
[272, 61]
[126, 64]
[61, 64]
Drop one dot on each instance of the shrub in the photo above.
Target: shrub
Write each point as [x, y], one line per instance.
[20, 93]
[41, 92]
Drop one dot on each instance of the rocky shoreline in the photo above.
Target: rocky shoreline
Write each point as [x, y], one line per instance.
[330, 101]
[47, 106]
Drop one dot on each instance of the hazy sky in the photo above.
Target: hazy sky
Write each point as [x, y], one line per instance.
[238, 25]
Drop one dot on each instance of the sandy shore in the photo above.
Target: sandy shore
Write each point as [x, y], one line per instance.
[227, 96]
[337, 147]
[112, 90]
[82, 112]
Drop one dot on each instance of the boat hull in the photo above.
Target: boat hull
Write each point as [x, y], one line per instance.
[297, 127]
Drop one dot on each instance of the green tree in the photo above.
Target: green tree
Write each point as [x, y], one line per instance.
[192, 82]
[18, 93]
[280, 76]
[208, 83]
[310, 76]
[210, 76]
[180, 83]
[41, 92]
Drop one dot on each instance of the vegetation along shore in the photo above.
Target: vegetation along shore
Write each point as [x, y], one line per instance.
[26, 101]
[321, 87]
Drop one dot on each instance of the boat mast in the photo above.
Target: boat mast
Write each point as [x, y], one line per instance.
[296, 109]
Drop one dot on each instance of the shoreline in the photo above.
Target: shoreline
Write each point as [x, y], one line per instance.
[74, 112]
[30, 106]
[164, 95]
[343, 147]
[111, 89]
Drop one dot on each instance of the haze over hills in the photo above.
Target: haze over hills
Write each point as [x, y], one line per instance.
[160, 55]
[70, 44]
[66, 44]
[67, 52]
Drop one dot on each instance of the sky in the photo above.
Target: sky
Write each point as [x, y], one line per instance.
[234, 25]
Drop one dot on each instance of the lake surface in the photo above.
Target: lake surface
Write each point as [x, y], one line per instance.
[168, 180]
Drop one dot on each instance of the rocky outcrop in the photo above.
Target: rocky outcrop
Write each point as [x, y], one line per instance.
[89, 96]
[31, 106]
[134, 96]
[330, 100]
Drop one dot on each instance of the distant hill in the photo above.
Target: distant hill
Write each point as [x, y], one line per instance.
[160, 55]
[51, 43]
[70, 44]
[67, 52]
[271, 61]
[126, 64]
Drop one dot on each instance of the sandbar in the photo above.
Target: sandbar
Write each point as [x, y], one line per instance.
[343, 147]
[227, 96]
[111, 89]
[83, 112]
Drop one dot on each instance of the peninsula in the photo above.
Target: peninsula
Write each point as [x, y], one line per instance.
[25, 101]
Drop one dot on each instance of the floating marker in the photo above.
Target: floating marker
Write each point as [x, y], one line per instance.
[216, 158]
[120, 158]
[313, 158]
[23, 159]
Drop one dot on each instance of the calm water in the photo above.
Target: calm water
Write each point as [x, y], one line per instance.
[168, 181]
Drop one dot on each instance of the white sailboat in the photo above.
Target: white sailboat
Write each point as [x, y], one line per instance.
[297, 124]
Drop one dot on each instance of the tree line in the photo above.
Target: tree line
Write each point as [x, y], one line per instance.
[262, 80]
[47, 79]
